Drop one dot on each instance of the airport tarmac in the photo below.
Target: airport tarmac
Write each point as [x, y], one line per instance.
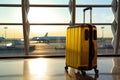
[47, 52]
[53, 69]
[14, 52]
[45, 49]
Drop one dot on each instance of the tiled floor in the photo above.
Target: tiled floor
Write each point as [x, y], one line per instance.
[53, 69]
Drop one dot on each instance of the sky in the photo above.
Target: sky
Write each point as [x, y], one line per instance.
[52, 15]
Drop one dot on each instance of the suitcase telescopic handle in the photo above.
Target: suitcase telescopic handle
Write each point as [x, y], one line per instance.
[88, 8]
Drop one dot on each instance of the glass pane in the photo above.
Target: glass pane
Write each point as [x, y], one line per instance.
[10, 2]
[93, 1]
[12, 44]
[49, 1]
[48, 40]
[99, 15]
[49, 15]
[10, 15]
[104, 40]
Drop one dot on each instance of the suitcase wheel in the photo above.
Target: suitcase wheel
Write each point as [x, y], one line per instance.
[96, 71]
[83, 72]
[66, 67]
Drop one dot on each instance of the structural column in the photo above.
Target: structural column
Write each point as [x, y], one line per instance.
[72, 9]
[26, 27]
[116, 25]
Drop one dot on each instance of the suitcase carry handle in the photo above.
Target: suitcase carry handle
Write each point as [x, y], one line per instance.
[88, 8]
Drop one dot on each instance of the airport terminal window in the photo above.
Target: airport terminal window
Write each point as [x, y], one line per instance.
[52, 25]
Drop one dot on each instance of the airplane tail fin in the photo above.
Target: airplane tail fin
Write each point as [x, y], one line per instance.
[46, 34]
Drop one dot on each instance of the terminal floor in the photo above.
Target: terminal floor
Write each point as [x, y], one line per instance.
[53, 69]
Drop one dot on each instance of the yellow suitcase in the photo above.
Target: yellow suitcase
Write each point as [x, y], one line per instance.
[81, 47]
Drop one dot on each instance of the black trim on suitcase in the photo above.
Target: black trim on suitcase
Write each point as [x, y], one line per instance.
[91, 47]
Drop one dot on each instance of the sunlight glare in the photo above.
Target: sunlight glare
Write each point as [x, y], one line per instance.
[42, 15]
[38, 67]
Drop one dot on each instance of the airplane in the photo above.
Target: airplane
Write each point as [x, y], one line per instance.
[2, 39]
[46, 38]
